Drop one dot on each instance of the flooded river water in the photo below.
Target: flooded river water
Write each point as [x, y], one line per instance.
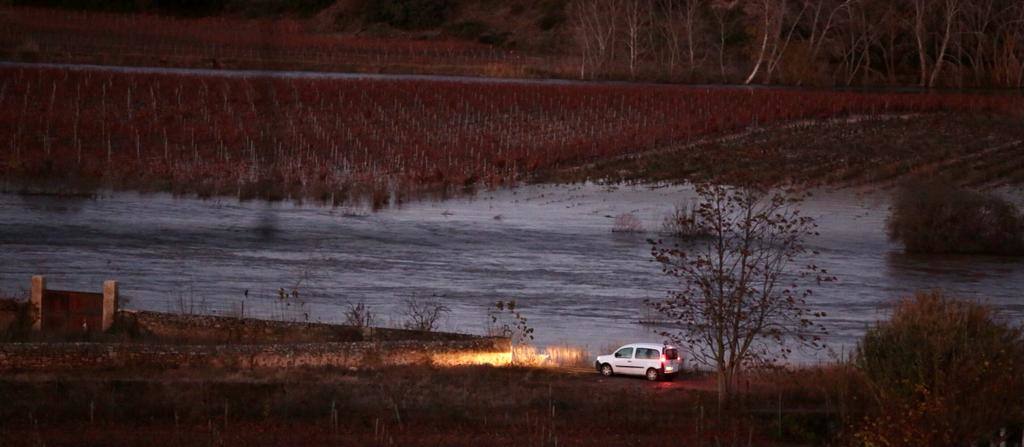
[548, 247]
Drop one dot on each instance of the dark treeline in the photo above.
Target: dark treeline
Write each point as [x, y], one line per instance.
[186, 8]
[927, 43]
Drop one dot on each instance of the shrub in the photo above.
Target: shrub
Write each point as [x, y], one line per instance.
[497, 39]
[939, 218]
[358, 315]
[90, 5]
[15, 319]
[408, 14]
[627, 223]
[942, 372]
[271, 8]
[684, 222]
[194, 8]
[467, 30]
[554, 16]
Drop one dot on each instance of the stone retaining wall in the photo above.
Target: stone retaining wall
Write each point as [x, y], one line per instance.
[202, 329]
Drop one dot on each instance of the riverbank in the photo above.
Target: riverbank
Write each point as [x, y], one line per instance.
[197, 380]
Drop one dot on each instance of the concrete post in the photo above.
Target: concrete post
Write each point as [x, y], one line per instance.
[109, 304]
[36, 302]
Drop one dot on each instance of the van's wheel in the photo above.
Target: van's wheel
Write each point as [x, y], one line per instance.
[606, 370]
[652, 374]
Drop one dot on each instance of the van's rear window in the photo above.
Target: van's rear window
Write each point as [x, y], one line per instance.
[671, 354]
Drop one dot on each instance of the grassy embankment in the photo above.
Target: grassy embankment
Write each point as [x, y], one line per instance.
[411, 406]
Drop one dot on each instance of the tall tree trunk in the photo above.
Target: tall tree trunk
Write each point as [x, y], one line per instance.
[920, 36]
[950, 13]
[691, 13]
[764, 44]
[779, 48]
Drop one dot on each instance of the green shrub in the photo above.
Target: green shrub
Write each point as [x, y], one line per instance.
[939, 218]
[941, 372]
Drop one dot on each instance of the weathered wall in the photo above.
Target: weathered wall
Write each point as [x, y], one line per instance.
[56, 357]
[201, 329]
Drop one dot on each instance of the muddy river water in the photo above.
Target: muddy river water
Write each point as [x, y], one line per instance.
[551, 248]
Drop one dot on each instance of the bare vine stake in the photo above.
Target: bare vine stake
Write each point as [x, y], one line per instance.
[780, 414]
[334, 416]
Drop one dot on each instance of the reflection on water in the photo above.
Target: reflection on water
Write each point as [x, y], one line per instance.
[57, 205]
[548, 247]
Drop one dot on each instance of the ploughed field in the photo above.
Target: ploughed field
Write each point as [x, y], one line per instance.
[339, 139]
[975, 150]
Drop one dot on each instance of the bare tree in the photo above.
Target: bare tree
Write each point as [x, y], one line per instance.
[823, 16]
[781, 43]
[423, 315]
[725, 13]
[691, 12]
[950, 13]
[680, 27]
[977, 34]
[891, 39]
[1007, 48]
[821, 24]
[359, 315]
[858, 37]
[1017, 37]
[507, 321]
[771, 18]
[923, 11]
[672, 28]
[637, 16]
[926, 42]
[594, 23]
[740, 303]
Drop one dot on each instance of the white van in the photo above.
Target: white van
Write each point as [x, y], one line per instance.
[651, 360]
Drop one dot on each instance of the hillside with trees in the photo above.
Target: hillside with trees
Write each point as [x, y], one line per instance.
[920, 43]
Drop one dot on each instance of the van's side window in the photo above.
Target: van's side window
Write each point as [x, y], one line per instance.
[624, 353]
[648, 354]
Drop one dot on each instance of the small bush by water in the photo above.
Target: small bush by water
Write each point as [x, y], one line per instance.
[939, 218]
